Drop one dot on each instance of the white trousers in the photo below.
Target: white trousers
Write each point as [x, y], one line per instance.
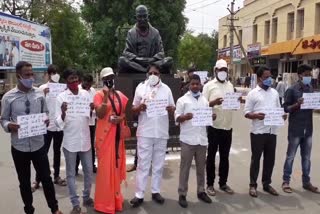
[150, 150]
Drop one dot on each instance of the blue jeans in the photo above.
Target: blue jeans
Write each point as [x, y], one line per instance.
[86, 162]
[305, 144]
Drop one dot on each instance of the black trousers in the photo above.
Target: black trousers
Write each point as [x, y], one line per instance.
[266, 144]
[57, 142]
[218, 140]
[92, 138]
[22, 162]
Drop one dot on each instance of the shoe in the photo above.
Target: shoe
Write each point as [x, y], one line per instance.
[211, 191]
[253, 192]
[183, 201]
[35, 185]
[58, 212]
[157, 198]
[204, 197]
[94, 169]
[311, 188]
[132, 168]
[136, 202]
[269, 189]
[88, 203]
[76, 210]
[227, 189]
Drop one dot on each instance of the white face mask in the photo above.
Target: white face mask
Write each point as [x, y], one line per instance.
[55, 77]
[222, 75]
[153, 80]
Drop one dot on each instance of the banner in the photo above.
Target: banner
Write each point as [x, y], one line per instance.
[22, 40]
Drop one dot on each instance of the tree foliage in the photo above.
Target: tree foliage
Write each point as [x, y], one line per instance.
[198, 51]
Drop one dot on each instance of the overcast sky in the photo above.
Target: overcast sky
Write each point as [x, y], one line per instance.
[204, 15]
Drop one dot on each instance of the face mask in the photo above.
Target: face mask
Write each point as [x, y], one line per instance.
[306, 80]
[267, 82]
[55, 77]
[109, 83]
[222, 75]
[197, 94]
[153, 80]
[73, 86]
[26, 82]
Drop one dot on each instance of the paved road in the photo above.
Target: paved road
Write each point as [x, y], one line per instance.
[298, 202]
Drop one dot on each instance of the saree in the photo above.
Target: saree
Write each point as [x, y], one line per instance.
[111, 156]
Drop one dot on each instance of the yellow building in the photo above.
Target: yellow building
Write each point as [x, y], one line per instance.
[278, 33]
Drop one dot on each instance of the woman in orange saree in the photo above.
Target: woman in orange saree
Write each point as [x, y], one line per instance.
[110, 107]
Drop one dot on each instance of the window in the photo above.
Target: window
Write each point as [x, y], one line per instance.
[255, 34]
[274, 30]
[317, 21]
[300, 23]
[225, 41]
[290, 27]
[240, 35]
[266, 32]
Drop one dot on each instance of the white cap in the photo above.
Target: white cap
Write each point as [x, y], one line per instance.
[106, 72]
[221, 64]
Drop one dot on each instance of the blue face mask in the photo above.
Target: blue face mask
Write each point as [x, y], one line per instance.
[267, 82]
[306, 80]
[27, 82]
[196, 94]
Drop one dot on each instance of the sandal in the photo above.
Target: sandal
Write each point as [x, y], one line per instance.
[60, 182]
[253, 192]
[35, 185]
[286, 188]
[311, 188]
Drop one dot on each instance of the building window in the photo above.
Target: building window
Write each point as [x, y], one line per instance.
[290, 28]
[274, 30]
[317, 21]
[300, 23]
[255, 34]
[240, 36]
[266, 32]
[225, 41]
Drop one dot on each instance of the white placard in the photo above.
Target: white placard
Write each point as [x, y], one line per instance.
[31, 125]
[274, 117]
[55, 89]
[78, 106]
[202, 116]
[157, 107]
[231, 101]
[203, 76]
[311, 101]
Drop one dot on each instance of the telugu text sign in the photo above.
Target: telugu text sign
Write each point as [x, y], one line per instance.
[157, 107]
[202, 116]
[311, 101]
[31, 125]
[274, 117]
[231, 101]
[78, 105]
[55, 89]
[203, 76]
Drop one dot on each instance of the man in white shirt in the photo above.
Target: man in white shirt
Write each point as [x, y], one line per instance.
[152, 134]
[53, 132]
[76, 139]
[15, 54]
[315, 76]
[220, 134]
[86, 84]
[263, 138]
[193, 141]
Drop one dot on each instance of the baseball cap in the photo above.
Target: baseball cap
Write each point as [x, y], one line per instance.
[221, 64]
[106, 72]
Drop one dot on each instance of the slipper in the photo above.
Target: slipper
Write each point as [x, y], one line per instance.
[253, 192]
[35, 185]
[59, 181]
[286, 188]
[311, 188]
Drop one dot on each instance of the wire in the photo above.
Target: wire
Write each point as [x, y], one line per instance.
[197, 3]
[197, 8]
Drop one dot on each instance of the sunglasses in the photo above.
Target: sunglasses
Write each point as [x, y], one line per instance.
[27, 103]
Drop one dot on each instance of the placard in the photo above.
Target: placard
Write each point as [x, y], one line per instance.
[274, 117]
[203, 76]
[55, 89]
[311, 101]
[157, 107]
[231, 101]
[32, 125]
[202, 116]
[78, 105]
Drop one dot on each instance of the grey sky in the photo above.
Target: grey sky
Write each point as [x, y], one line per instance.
[204, 15]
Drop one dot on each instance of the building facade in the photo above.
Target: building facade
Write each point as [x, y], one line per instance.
[278, 33]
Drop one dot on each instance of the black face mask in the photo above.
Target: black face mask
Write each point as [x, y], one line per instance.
[109, 83]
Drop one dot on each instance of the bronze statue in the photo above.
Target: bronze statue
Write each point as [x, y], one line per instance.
[143, 46]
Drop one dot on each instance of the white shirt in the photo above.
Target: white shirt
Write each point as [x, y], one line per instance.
[213, 90]
[15, 58]
[154, 127]
[92, 93]
[257, 100]
[315, 73]
[51, 104]
[190, 134]
[76, 132]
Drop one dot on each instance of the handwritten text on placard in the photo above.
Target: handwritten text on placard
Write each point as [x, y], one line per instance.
[157, 107]
[78, 105]
[311, 101]
[274, 117]
[231, 101]
[31, 125]
[55, 89]
[202, 116]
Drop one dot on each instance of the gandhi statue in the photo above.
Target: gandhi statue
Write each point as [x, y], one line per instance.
[143, 46]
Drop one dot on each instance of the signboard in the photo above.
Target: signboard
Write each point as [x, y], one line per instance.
[21, 40]
[78, 106]
[31, 125]
[274, 117]
[202, 116]
[225, 54]
[254, 50]
[55, 89]
[157, 107]
[231, 101]
[203, 76]
[311, 101]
